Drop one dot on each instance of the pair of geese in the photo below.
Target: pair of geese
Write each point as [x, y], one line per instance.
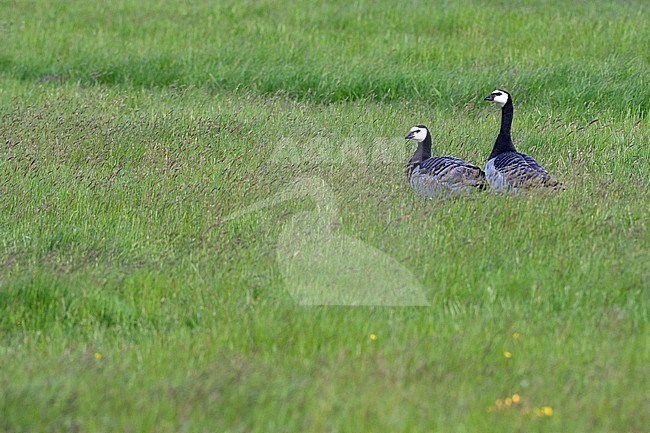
[506, 169]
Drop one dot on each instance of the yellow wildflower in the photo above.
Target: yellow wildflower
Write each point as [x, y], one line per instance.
[515, 398]
[98, 355]
[515, 335]
[498, 403]
[508, 401]
[508, 355]
[373, 337]
[547, 410]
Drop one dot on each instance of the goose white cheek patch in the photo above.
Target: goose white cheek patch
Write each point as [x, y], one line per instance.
[501, 99]
[420, 135]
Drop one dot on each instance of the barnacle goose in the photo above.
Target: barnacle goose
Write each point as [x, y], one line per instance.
[430, 177]
[507, 169]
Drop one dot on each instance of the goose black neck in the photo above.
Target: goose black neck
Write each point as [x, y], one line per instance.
[504, 140]
[423, 152]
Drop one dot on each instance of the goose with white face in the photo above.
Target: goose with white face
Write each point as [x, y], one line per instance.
[431, 176]
[417, 133]
[500, 97]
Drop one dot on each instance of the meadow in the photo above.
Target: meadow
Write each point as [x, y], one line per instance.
[131, 300]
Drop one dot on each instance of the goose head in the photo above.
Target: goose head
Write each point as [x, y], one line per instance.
[418, 133]
[499, 96]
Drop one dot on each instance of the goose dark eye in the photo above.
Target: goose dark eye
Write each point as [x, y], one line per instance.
[497, 94]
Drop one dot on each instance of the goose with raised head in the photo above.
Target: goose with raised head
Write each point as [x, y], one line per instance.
[507, 169]
[432, 176]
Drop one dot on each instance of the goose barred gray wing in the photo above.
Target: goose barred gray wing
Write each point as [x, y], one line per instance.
[448, 173]
[514, 170]
[451, 169]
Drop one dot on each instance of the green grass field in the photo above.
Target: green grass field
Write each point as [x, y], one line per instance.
[130, 131]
